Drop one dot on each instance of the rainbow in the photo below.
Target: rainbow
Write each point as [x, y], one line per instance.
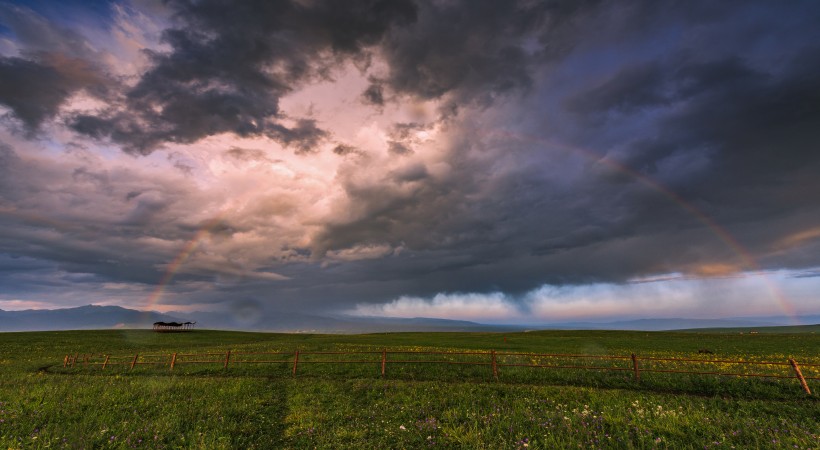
[749, 262]
[172, 268]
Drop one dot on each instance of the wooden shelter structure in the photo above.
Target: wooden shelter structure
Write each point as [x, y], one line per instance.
[173, 327]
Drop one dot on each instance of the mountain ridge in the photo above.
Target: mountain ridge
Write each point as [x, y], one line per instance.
[109, 316]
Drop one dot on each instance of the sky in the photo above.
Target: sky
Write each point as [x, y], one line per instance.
[503, 162]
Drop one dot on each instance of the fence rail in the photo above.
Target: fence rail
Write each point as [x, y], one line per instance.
[496, 360]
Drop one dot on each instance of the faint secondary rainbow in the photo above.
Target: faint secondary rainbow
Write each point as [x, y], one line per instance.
[746, 257]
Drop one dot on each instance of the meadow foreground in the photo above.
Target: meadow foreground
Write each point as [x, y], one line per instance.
[43, 405]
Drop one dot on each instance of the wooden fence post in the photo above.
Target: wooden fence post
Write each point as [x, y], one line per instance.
[227, 359]
[384, 359]
[173, 361]
[105, 363]
[295, 362]
[800, 376]
[635, 367]
[495, 367]
[134, 362]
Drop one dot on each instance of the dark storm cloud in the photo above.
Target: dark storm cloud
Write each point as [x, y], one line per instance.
[631, 88]
[473, 50]
[344, 149]
[36, 89]
[754, 128]
[305, 136]
[54, 64]
[33, 91]
[247, 154]
[230, 64]
[89, 220]
[700, 140]
[374, 94]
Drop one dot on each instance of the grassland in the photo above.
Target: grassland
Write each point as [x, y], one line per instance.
[757, 330]
[43, 405]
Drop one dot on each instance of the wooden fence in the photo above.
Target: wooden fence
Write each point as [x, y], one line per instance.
[495, 360]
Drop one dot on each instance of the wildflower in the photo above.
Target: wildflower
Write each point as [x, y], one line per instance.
[401, 427]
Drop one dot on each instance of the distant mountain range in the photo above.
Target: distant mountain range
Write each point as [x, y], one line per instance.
[102, 317]
[81, 318]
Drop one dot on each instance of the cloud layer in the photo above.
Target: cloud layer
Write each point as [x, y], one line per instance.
[313, 154]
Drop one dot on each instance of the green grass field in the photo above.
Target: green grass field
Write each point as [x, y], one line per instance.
[43, 405]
